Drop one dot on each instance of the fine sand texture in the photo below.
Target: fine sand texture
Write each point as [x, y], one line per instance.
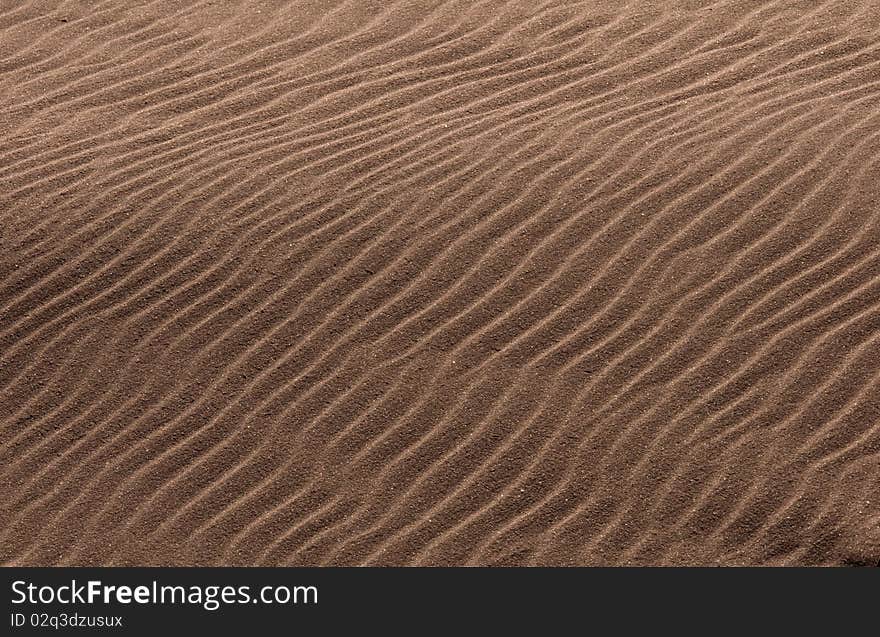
[423, 282]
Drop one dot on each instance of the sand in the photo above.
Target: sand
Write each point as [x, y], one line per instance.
[439, 283]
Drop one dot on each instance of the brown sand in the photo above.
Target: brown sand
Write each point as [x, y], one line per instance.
[423, 282]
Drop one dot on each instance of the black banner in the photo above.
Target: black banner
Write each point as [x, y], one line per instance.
[289, 600]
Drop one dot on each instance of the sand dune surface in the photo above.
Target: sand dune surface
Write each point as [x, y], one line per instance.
[423, 282]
